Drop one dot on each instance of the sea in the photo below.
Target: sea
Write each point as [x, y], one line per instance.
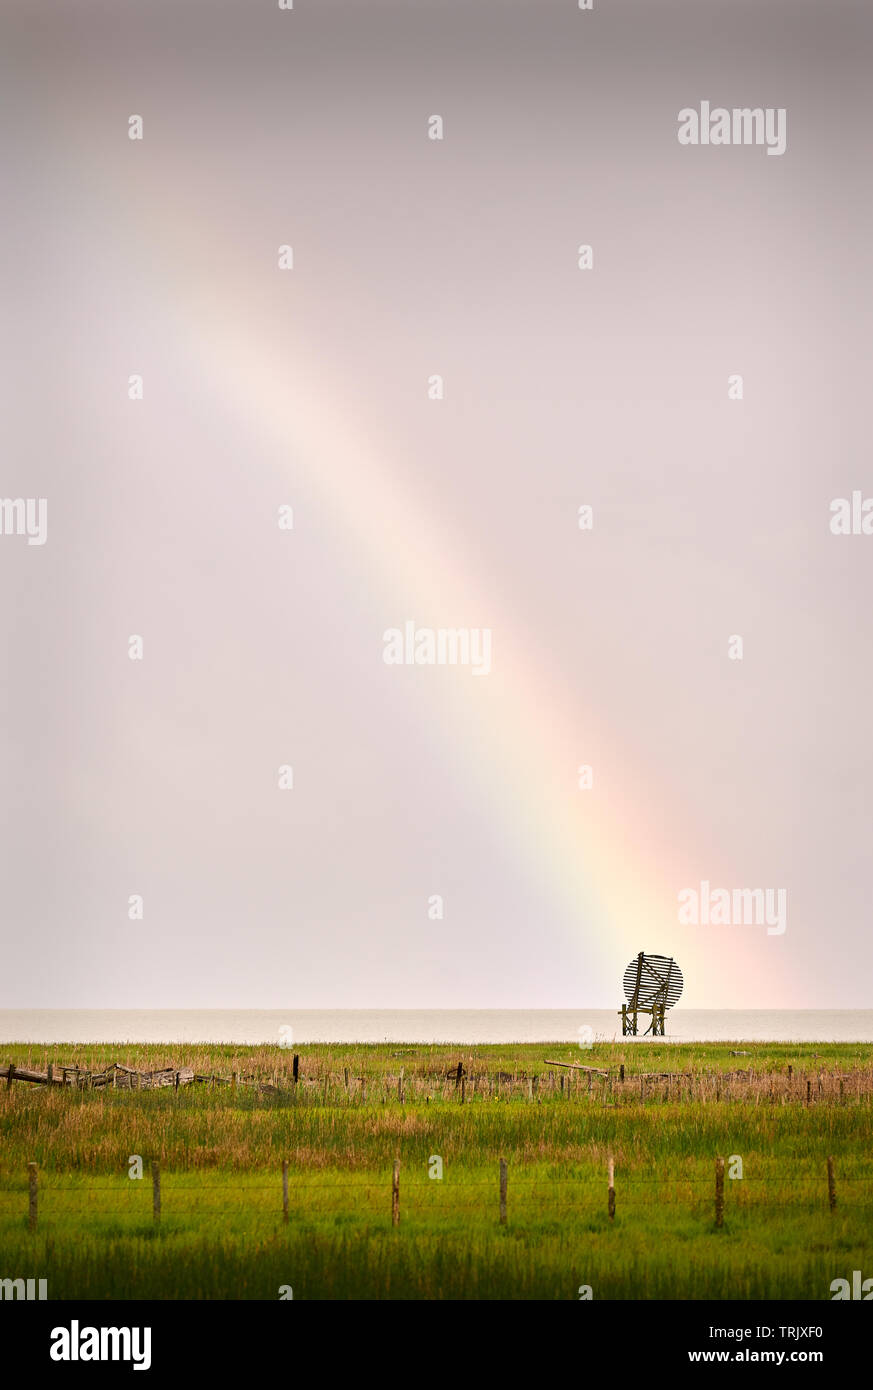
[286, 1027]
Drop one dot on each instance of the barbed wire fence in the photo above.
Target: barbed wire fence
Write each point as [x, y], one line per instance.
[509, 1192]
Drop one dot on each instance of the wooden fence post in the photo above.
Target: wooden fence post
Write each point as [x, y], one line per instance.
[610, 1191]
[9, 1075]
[50, 1073]
[33, 1196]
[156, 1191]
[832, 1186]
[296, 1067]
[719, 1192]
[285, 1190]
[395, 1194]
[504, 1173]
[400, 1087]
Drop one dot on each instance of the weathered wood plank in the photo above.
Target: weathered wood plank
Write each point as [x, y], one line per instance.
[577, 1066]
[14, 1073]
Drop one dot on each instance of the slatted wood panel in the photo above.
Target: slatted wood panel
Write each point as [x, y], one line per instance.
[652, 980]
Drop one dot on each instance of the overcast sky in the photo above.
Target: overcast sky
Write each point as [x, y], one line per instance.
[310, 388]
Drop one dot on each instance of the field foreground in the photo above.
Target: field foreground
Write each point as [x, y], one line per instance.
[774, 1112]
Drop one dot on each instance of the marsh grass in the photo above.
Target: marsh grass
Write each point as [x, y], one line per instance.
[222, 1234]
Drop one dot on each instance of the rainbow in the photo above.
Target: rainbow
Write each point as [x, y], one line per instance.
[602, 864]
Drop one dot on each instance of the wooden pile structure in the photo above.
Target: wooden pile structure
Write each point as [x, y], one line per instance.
[652, 985]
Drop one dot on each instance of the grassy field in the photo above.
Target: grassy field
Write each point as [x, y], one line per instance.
[221, 1149]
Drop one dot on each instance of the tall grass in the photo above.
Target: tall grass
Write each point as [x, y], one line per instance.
[221, 1151]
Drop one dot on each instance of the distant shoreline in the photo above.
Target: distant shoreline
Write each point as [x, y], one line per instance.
[419, 1027]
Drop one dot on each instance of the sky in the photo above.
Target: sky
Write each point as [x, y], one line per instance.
[436, 848]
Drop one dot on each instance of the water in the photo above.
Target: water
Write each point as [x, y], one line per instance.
[420, 1025]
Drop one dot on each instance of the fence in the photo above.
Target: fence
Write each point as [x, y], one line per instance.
[571, 1081]
[290, 1185]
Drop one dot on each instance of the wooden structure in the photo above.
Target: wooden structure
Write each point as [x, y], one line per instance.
[652, 985]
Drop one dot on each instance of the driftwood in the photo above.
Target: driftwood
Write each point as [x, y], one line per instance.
[577, 1066]
[13, 1073]
[663, 1075]
[116, 1076]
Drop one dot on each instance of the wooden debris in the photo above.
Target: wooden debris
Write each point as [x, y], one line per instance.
[577, 1066]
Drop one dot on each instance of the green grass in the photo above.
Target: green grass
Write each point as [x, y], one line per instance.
[220, 1150]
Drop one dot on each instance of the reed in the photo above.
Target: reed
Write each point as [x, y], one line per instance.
[221, 1150]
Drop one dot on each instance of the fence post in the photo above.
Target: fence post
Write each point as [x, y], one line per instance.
[50, 1073]
[9, 1075]
[503, 1185]
[832, 1186]
[400, 1087]
[156, 1191]
[296, 1067]
[285, 1190]
[32, 1205]
[610, 1191]
[719, 1192]
[395, 1194]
